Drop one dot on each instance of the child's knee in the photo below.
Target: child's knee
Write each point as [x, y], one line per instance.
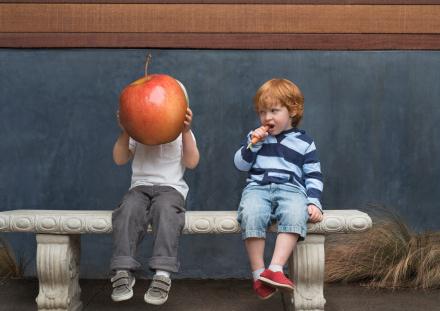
[170, 217]
[253, 225]
[132, 206]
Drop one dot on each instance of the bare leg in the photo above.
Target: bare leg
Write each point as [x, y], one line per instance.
[255, 250]
[284, 246]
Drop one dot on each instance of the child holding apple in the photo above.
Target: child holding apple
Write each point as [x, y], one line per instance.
[284, 183]
[157, 197]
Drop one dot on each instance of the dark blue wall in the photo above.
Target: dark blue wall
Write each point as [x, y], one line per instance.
[373, 116]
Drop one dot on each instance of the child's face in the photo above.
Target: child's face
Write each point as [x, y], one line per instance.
[277, 117]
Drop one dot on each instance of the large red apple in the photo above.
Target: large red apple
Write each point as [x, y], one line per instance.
[152, 109]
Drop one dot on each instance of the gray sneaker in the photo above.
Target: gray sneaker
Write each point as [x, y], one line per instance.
[122, 283]
[157, 293]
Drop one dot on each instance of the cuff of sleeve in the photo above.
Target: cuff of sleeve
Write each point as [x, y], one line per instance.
[315, 202]
[254, 147]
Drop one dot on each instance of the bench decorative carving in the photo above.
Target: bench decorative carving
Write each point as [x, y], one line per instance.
[58, 249]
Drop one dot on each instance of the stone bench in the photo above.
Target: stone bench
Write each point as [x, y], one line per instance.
[58, 249]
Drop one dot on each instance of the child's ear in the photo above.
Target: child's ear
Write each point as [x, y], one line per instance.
[293, 112]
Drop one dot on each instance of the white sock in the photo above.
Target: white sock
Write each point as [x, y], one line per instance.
[256, 273]
[163, 273]
[276, 268]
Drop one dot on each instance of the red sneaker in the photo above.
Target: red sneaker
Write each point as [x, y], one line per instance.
[262, 290]
[277, 280]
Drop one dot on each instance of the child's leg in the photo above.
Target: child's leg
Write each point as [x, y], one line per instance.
[254, 217]
[129, 223]
[255, 250]
[284, 246]
[168, 219]
[291, 214]
[274, 275]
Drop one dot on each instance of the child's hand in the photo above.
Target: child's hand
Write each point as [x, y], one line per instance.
[260, 133]
[315, 214]
[188, 120]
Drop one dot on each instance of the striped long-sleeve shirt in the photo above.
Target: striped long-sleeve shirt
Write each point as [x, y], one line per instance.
[289, 158]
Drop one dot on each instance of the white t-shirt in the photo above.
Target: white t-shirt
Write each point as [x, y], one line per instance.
[158, 165]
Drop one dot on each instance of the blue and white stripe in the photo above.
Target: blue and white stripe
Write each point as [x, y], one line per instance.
[289, 158]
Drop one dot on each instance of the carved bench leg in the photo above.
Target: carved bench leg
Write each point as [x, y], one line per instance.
[307, 268]
[58, 272]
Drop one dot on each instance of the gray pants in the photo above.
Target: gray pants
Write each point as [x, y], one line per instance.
[160, 206]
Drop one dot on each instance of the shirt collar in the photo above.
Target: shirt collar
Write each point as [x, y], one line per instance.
[283, 134]
[292, 130]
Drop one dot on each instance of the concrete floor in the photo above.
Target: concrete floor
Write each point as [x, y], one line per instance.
[222, 295]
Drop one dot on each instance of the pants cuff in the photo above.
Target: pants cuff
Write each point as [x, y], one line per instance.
[169, 264]
[253, 234]
[293, 229]
[124, 263]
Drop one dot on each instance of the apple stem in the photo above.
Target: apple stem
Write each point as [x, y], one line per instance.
[147, 61]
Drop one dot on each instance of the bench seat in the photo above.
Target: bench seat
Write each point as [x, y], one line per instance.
[58, 249]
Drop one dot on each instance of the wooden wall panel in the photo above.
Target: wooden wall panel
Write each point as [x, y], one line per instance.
[220, 25]
[268, 2]
[223, 41]
[219, 18]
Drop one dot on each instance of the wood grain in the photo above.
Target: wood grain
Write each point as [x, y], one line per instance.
[222, 24]
[224, 41]
[219, 18]
[271, 2]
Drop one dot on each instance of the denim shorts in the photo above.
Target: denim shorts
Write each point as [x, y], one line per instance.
[262, 205]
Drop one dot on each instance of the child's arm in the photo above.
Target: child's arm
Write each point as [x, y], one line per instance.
[191, 154]
[246, 155]
[121, 151]
[313, 179]
[315, 214]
